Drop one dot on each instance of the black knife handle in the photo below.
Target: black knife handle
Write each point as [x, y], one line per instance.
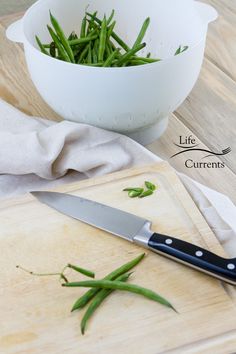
[194, 256]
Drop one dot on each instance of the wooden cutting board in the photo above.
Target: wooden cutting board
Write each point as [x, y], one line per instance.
[35, 312]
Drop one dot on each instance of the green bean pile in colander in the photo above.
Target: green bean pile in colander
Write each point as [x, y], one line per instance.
[98, 44]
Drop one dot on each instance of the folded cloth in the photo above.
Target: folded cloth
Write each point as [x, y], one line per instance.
[37, 153]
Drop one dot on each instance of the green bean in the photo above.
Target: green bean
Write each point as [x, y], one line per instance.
[142, 32]
[60, 48]
[94, 55]
[46, 46]
[53, 50]
[91, 22]
[84, 299]
[95, 65]
[111, 17]
[148, 60]
[124, 58]
[86, 272]
[83, 40]
[118, 285]
[83, 27]
[107, 53]
[41, 46]
[134, 194]
[110, 58]
[146, 193]
[181, 49]
[98, 299]
[150, 186]
[110, 30]
[62, 37]
[89, 57]
[83, 54]
[103, 37]
[136, 189]
[135, 62]
[72, 36]
[114, 35]
[148, 55]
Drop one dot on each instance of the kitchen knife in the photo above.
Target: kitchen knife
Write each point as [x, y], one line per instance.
[138, 230]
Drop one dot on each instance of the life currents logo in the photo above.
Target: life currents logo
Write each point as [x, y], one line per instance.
[197, 157]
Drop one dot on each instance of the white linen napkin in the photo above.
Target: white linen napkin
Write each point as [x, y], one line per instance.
[36, 153]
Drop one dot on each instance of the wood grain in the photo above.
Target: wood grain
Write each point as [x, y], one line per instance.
[210, 110]
[125, 323]
[221, 49]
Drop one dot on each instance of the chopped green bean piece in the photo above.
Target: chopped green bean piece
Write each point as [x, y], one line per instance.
[146, 193]
[181, 49]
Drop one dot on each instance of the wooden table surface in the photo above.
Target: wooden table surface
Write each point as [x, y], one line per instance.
[208, 114]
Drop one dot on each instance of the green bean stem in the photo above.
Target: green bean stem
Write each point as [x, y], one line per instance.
[84, 299]
[60, 48]
[142, 32]
[98, 299]
[118, 285]
[62, 37]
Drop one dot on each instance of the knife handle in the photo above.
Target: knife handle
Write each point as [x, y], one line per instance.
[194, 256]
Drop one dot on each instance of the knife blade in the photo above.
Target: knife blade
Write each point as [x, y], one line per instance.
[138, 230]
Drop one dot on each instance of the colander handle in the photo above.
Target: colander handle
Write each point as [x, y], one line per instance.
[15, 32]
[207, 12]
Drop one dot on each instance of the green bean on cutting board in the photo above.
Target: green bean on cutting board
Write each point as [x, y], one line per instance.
[98, 44]
[83, 271]
[98, 299]
[118, 285]
[101, 289]
[84, 299]
[134, 192]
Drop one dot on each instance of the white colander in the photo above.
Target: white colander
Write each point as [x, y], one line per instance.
[132, 100]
